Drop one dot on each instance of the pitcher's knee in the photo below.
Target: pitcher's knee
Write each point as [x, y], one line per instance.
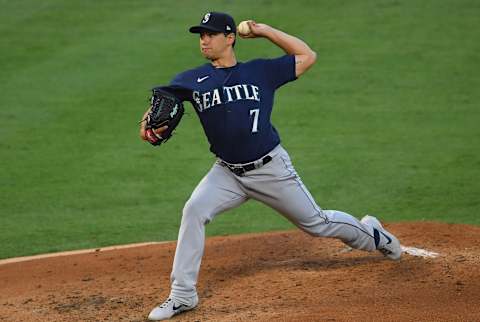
[195, 211]
[315, 225]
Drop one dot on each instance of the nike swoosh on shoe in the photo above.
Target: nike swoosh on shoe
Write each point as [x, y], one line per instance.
[177, 307]
[388, 238]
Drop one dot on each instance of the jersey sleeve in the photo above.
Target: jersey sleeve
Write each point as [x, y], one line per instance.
[179, 80]
[280, 71]
[179, 86]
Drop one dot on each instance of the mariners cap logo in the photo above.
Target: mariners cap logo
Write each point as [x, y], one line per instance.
[206, 18]
[215, 22]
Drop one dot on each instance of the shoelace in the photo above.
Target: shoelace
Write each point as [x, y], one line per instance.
[165, 303]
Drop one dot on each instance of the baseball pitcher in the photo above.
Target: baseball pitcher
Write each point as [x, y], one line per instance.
[234, 101]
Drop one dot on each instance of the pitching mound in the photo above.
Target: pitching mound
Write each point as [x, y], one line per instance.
[285, 276]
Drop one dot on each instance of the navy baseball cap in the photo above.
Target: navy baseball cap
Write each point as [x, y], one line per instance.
[216, 22]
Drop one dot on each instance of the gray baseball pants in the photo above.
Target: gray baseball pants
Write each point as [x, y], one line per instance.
[277, 185]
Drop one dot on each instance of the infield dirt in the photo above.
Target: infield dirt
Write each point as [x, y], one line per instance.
[284, 276]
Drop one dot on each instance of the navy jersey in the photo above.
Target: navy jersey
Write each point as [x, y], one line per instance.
[234, 105]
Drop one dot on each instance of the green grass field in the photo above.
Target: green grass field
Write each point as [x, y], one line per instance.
[387, 121]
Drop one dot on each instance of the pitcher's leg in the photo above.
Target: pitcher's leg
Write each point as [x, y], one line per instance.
[279, 186]
[217, 192]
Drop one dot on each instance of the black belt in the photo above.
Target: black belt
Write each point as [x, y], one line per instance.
[240, 170]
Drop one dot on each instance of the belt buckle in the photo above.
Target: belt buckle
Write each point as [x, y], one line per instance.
[258, 164]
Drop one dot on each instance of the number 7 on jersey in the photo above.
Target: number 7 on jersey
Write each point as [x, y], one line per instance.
[255, 113]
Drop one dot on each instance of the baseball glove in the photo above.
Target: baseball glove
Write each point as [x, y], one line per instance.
[165, 109]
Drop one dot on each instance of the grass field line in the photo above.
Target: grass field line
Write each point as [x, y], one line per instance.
[78, 252]
[413, 251]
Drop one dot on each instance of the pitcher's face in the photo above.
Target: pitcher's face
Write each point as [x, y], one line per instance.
[214, 45]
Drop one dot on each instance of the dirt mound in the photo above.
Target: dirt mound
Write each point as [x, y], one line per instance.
[284, 276]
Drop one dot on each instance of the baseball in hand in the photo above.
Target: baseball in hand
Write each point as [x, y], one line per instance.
[243, 28]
